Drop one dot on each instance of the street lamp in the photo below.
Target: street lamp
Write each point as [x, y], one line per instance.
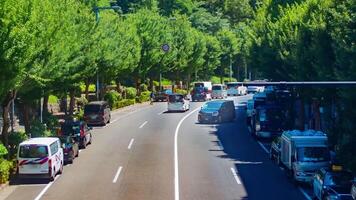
[96, 10]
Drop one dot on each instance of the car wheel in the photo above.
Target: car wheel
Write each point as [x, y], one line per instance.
[61, 169]
[90, 139]
[77, 153]
[84, 143]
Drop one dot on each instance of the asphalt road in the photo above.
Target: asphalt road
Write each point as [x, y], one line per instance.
[134, 158]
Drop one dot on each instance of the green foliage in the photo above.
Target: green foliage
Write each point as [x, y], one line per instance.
[143, 87]
[130, 93]
[181, 91]
[40, 130]
[124, 103]
[144, 97]
[5, 169]
[3, 151]
[112, 97]
[90, 89]
[216, 79]
[52, 99]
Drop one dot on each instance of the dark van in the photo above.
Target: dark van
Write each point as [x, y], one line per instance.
[217, 112]
[97, 113]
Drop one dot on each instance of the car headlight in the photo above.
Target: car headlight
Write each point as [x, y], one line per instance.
[215, 114]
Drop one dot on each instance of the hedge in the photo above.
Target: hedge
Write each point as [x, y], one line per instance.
[144, 97]
[111, 97]
[5, 169]
[130, 93]
[124, 103]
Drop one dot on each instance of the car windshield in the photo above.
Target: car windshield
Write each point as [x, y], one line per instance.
[92, 108]
[217, 87]
[176, 98]
[199, 90]
[33, 151]
[338, 179]
[212, 106]
[199, 85]
[313, 154]
[231, 85]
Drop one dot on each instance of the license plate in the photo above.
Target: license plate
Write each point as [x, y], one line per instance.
[93, 117]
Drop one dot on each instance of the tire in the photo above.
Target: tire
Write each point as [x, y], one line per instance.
[91, 137]
[77, 155]
[84, 146]
[61, 168]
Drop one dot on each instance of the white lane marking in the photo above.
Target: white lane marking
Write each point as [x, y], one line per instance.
[80, 150]
[237, 179]
[39, 196]
[130, 144]
[117, 174]
[115, 120]
[306, 195]
[176, 172]
[263, 147]
[144, 123]
[220, 145]
[161, 112]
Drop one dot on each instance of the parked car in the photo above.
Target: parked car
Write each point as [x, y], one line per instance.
[97, 113]
[332, 184]
[218, 91]
[40, 158]
[217, 112]
[353, 190]
[275, 151]
[78, 129]
[200, 94]
[177, 102]
[162, 95]
[70, 147]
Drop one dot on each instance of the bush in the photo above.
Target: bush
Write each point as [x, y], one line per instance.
[124, 103]
[130, 93]
[143, 87]
[3, 151]
[40, 130]
[51, 121]
[79, 115]
[145, 96]
[82, 101]
[14, 140]
[182, 92]
[5, 169]
[112, 97]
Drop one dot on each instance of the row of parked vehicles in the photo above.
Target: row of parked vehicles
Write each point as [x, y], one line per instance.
[44, 157]
[304, 154]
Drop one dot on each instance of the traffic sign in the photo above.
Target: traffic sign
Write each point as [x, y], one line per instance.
[165, 48]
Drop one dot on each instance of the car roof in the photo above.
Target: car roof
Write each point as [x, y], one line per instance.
[40, 140]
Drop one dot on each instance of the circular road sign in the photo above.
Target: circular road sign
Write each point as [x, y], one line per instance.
[165, 47]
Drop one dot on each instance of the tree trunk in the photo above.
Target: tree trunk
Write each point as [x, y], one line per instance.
[151, 84]
[87, 84]
[71, 102]
[5, 115]
[26, 117]
[45, 104]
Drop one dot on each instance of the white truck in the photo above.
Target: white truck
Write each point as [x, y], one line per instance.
[303, 153]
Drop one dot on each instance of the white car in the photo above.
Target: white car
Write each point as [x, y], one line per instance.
[218, 91]
[40, 158]
[177, 102]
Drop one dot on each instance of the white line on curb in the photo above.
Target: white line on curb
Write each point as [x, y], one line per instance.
[131, 142]
[117, 175]
[46, 188]
[235, 176]
[176, 172]
[263, 147]
[142, 125]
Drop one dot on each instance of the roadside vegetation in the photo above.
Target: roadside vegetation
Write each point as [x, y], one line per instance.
[56, 49]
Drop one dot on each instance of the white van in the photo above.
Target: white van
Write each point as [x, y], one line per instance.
[219, 91]
[40, 158]
[177, 102]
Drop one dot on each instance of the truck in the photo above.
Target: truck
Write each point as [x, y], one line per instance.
[303, 153]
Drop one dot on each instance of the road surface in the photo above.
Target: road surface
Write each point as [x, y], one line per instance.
[134, 158]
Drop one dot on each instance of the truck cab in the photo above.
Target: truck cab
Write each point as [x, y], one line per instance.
[304, 152]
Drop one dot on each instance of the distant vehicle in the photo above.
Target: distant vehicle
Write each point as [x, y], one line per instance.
[303, 153]
[253, 89]
[40, 158]
[97, 113]
[218, 91]
[267, 121]
[70, 147]
[78, 129]
[235, 89]
[332, 184]
[250, 109]
[162, 95]
[205, 84]
[217, 112]
[177, 102]
[353, 190]
[275, 151]
[200, 94]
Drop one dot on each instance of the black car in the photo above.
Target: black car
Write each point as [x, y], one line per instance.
[70, 148]
[162, 95]
[97, 113]
[275, 151]
[217, 112]
[332, 184]
[78, 129]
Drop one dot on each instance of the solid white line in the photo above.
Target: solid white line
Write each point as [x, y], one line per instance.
[220, 145]
[263, 147]
[176, 172]
[115, 120]
[161, 112]
[144, 123]
[46, 188]
[235, 176]
[131, 142]
[304, 193]
[117, 175]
